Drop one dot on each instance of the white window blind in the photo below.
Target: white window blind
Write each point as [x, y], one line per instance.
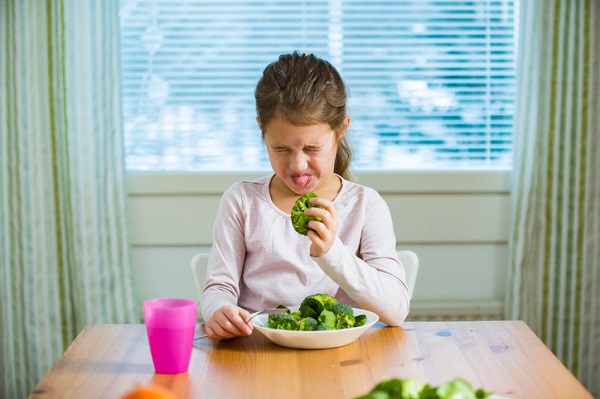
[431, 83]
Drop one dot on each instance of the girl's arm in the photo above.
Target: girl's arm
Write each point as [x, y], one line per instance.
[218, 302]
[375, 279]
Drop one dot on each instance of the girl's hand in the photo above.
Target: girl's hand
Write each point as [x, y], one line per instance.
[323, 233]
[228, 322]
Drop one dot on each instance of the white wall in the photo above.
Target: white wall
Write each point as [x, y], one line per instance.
[457, 222]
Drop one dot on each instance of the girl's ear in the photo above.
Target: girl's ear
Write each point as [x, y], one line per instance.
[258, 121]
[345, 126]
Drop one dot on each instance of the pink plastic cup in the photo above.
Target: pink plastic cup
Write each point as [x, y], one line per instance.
[170, 324]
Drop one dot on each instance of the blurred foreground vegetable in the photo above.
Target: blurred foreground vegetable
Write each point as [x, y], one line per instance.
[150, 391]
[299, 219]
[410, 388]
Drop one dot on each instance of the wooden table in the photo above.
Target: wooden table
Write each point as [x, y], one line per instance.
[505, 357]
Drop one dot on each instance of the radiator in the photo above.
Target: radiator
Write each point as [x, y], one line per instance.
[457, 310]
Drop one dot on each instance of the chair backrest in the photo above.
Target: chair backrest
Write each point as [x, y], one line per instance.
[410, 261]
[199, 263]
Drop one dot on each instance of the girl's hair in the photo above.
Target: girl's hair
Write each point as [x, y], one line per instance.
[305, 90]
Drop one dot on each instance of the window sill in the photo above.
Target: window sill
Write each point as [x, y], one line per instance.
[410, 182]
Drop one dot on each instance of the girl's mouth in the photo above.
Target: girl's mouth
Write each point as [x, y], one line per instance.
[302, 180]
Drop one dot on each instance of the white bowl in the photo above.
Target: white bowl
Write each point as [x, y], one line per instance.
[314, 339]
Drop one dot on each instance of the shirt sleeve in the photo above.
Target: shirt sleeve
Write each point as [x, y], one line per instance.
[375, 279]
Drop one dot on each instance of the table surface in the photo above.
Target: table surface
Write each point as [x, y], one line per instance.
[505, 357]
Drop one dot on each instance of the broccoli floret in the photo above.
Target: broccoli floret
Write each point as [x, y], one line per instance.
[344, 315]
[307, 311]
[386, 389]
[344, 320]
[360, 320]
[308, 324]
[299, 218]
[339, 307]
[285, 321]
[312, 303]
[410, 388]
[395, 388]
[318, 302]
[327, 318]
[392, 387]
[428, 392]
[375, 395]
[327, 300]
[456, 388]
[296, 315]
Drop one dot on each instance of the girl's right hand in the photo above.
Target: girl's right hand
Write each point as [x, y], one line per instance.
[228, 322]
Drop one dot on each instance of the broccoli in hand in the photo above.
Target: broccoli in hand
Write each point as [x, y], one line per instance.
[299, 219]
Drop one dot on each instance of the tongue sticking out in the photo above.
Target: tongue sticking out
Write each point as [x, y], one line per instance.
[302, 181]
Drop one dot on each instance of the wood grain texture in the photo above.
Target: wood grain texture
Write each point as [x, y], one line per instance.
[505, 357]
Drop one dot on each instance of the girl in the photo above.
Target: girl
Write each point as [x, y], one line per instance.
[257, 259]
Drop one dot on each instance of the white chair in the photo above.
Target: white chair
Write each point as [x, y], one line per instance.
[410, 261]
[199, 263]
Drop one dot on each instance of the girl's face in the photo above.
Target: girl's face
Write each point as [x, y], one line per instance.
[302, 157]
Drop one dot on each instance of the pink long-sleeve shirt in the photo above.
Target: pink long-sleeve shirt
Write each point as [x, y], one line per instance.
[259, 261]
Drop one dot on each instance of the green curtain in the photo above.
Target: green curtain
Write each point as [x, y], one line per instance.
[64, 251]
[554, 279]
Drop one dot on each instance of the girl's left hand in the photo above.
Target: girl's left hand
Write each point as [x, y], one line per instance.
[323, 233]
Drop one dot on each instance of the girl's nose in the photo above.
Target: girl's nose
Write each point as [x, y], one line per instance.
[298, 161]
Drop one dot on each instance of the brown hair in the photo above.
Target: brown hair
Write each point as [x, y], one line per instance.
[305, 90]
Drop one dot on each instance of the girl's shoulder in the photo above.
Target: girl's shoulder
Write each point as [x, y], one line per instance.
[245, 190]
[359, 198]
[250, 185]
[352, 189]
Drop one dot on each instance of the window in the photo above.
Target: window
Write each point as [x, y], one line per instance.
[431, 82]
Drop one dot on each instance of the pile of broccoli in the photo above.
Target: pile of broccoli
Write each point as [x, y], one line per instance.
[318, 312]
[410, 388]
